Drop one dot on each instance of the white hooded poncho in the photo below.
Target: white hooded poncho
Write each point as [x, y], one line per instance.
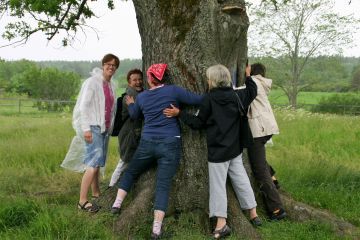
[89, 110]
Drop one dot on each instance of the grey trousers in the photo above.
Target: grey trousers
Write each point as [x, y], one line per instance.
[217, 186]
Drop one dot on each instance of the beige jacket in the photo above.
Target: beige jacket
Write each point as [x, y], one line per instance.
[261, 117]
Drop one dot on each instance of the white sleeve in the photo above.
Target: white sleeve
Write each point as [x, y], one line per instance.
[85, 106]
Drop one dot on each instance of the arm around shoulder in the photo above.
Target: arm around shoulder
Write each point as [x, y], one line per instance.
[197, 120]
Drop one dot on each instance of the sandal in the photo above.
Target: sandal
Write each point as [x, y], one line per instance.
[222, 233]
[93, 208]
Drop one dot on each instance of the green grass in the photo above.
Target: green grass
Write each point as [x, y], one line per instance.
[300, 231]
[37, 197]
[317, 159]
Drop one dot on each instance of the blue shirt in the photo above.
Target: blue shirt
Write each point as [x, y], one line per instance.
[151, 104]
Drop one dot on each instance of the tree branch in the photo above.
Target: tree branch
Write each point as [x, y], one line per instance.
[60, 21]
[71, 21]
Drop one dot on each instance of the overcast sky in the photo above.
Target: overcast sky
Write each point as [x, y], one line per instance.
[118, 34]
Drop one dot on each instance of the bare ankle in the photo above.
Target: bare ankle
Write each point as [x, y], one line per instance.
[252, 213]
[221, 222]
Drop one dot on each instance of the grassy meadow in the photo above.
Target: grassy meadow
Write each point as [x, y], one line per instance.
[317, 159]
[278, 97]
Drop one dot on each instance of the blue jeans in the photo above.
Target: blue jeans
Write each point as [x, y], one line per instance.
[96, 151]
[166, 153]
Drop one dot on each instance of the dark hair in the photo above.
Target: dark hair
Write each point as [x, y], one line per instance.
[109, 57]
[166, 79]
[258, 68]
[134, 71]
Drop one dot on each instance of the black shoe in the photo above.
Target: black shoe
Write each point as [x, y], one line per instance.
[155, 236]
[278, 215]
[256, 222]
[115, 210]
[277, 184]
[222, 233]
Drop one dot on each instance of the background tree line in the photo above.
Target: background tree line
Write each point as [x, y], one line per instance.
[61, 80]
[83, 68]
[52, 80]
[323, 74]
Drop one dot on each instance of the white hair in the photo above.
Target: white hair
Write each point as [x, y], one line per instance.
[218, 76]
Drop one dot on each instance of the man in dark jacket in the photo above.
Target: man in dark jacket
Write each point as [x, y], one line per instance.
[130, 132]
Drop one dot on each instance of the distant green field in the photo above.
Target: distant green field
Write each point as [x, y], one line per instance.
[278, 97]
[316, 157]
[15, 104]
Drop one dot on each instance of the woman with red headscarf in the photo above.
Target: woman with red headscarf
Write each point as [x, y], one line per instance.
[160, 139]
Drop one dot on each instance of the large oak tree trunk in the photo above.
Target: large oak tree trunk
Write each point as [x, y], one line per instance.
[190, 36]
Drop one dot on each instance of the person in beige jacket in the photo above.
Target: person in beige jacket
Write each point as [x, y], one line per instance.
[263, 125]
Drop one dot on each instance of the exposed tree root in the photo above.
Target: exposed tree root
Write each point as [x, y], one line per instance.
[301, 212]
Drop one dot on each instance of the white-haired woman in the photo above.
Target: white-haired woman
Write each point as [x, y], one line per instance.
[219, 115]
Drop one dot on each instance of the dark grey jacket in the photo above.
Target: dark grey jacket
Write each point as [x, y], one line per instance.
[129, 135]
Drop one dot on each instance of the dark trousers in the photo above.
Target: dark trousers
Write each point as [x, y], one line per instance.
[272, 171]
[262, 174]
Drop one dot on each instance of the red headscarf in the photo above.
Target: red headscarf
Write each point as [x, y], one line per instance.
[157, 70]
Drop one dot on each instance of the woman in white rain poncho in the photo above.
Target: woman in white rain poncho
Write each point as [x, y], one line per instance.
[92, 120]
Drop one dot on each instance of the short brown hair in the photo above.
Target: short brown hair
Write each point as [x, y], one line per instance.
[134, 71]
[108, 57]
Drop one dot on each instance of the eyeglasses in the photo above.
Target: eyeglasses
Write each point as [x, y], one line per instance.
[110, 65]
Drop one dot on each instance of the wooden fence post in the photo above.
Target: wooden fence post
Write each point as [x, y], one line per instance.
[19, 105]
